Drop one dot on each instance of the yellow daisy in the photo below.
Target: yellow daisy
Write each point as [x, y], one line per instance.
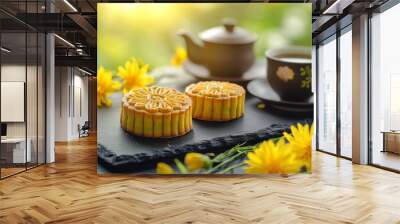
[300, 140]
[163, 168]
[105, 86]
[179, 57]
[134, 75]
[196, 161]
[271, 158]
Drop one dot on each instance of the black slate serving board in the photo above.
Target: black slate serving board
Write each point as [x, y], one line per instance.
[119, 151]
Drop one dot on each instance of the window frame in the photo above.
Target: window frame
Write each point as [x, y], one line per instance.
[27, 29]
[334, 37]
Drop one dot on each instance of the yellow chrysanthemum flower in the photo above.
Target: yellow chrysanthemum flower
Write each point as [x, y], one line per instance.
[105, 86]
[300, 140]
[179, 57]
[163, 168]
[134, 75]
[270, 158]
[261, 106]
[196, 161]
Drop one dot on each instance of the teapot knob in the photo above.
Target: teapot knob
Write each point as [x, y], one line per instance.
[229, 24]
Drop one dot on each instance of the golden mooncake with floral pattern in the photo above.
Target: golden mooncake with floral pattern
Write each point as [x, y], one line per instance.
[216, 101]
[156, 112]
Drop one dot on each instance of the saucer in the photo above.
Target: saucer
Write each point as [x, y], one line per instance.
[261, 89]
[256, 71]
[293, 109]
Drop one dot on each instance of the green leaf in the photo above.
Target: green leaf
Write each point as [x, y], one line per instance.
[181, 167]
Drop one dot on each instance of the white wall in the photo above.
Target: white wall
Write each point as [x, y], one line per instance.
[79, 115]
[12, 73]
[62, 80]
[71, 87]
[33, 126]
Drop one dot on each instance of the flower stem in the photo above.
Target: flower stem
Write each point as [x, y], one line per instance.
[230, 159]
[219, 158]
[231, 168]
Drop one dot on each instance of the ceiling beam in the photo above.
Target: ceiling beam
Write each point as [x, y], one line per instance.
[78, 61]
[84, 24]
[321, 23]
[49, 22]
[337, 7]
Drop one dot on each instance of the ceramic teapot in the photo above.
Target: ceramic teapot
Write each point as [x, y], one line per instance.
[226, 51]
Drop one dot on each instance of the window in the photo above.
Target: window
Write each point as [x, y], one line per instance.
[385, 89]
[327, 96]
[22, 75]
[346, 93]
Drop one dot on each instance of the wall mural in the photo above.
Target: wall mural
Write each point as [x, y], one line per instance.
[204, 88]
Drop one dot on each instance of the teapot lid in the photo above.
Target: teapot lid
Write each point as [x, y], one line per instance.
[229, 33]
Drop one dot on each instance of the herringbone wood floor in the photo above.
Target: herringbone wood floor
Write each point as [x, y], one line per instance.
[70, 191]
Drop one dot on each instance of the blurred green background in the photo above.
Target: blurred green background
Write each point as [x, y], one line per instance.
[147, 31]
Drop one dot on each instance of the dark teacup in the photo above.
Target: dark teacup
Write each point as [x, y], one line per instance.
[289, 72]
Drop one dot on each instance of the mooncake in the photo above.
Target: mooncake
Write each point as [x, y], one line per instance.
[156, 112]
[216, 101]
